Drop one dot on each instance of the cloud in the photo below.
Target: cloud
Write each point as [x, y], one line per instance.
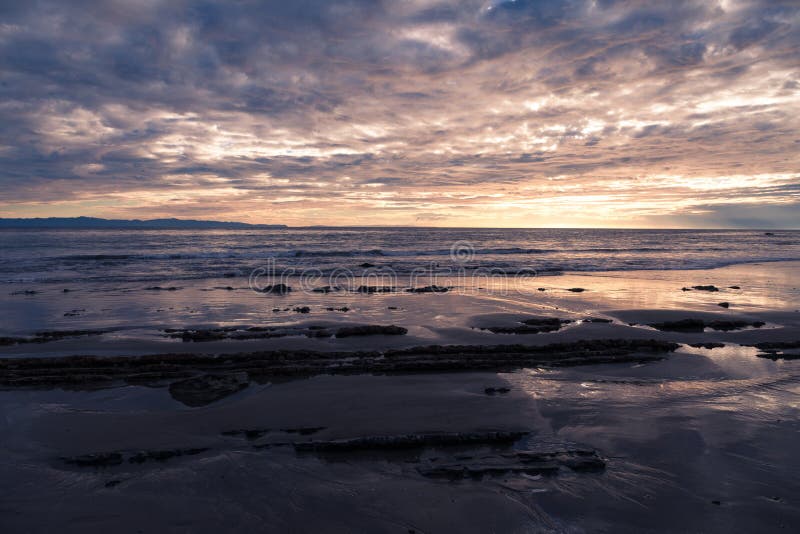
[475, 112]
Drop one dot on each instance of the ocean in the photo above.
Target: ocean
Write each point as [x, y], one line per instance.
[76, 256]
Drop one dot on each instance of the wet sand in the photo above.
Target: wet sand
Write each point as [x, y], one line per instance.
[708, 432]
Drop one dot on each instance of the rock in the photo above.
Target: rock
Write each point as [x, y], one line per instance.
[706, 288]
[683, 325]
[707, 345]
[778, 350]
[597, 320]
[428, 289]
[734, 287]
[685, 289]
[205, 389]
[576, 289]
[406, 441]
[496, 391]
[159, 288]
[302, 309]
[529, 462]
[724, 305]
[277, 289]
[727, 326]
[102, 459]
[534, 325]
[376, 289]
[200, 335]
[541, 289]
[303, 431]
[769, 233]
[366, 265]
[699, 325]
[325, 289]
[250, 434]
[49, 335]
[777, 345]
[91, 371]
[370, 330]
[161, 456]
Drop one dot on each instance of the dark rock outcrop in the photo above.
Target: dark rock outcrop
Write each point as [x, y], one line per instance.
[371, 330]
[428, 289]
[102, 459]
[50, 335]
[376, 289]
[707, 345]
[277, 289]
[163, 455]
[159, 288]
[91, 371]
[706, 288]
[408, 441]
[779, 350]
[517, 462]
[699, 325]
[325, 289]
[534, 325]
[205, 389]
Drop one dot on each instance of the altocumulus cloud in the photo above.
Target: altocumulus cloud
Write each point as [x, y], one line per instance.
[507, 113]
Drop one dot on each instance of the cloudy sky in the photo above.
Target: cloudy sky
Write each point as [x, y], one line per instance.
[415, 112]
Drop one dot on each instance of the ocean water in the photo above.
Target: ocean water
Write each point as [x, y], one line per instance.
[59, 256]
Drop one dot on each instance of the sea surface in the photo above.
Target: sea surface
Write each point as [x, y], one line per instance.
[60, 256]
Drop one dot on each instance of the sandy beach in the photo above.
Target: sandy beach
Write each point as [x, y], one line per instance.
[491, 408]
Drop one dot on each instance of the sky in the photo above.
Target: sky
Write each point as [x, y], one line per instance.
[526, 113]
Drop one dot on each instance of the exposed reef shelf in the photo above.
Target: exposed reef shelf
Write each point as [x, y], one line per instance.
[161, 369]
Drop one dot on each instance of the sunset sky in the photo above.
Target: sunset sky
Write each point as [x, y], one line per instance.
[573, 113]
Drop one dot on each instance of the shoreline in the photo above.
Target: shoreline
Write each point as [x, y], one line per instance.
[551, 411]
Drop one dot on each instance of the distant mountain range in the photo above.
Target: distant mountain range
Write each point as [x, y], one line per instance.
[121, 224]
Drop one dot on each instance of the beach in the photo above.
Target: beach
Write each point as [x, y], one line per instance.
[578, 402]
